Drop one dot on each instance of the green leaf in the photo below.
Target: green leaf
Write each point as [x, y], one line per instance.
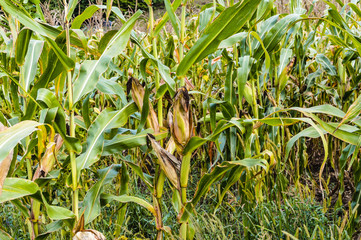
[229, 22]
[10, 137]
[24, 17]
[128, 199]
[59, 121]
[15, 188]
[326, 64]
[29, 70]
[173, 18]
[165, 18]
[355, 9]
[123, 142]
[147, 179]
[95, 140]
[229, 42]
[19, 13]
[109, 86]
[285, 57]
[267, 57]
[104, 41]
[263, 9]
[50, 228]
[310, 132]
[209, 178]
[22, 44]
[91, 70]
[71, 7]
[88, 13]
[67, 62]
[196, 142]
[352, 112]
[325, 109]
[58, 213]
[242, 75]
[52, 71]
[5, 236]
[275, 35]
[162, 69]
[91, 202]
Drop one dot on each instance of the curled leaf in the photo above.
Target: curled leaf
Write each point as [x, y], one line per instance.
[169, 163]
[48, 159]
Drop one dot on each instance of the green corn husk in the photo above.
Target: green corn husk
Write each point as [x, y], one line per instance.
[180, 120]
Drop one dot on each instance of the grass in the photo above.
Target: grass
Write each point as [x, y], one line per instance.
[294, 216]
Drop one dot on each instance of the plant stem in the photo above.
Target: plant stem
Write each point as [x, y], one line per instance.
[155, 54]
[185, 168]
[182, 38]
[72, 123]
[158, 192]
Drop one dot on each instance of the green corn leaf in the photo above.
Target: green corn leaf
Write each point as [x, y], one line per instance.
[275, 35]
[95, 140]
[268, 59]
[48, 99]
[50, 228]
[5, 236]
[89, 11]
[128, 199]
[15, 188]
[147, 179]
[67, 62]
[326, 64]
[173, 18]
[29, 69]
[310, 132]
[355, 9]
[229, 22]
[22, 44]
[286, 55]
[19, 13]
[127, 141]
[164, 71]
[109, 86]
[91, 70]
[209, 178]
[229, 42]
[91, 202]
[10, 137]
[353, 111]
[165, 18]
[57, 213]
[71, 7]
[196, 142]
[50, 73]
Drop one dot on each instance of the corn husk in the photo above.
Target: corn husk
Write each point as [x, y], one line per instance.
[180, 120]
[138, 93]
[168, 163]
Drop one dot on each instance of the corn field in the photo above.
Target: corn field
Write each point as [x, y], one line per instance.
[240, 120]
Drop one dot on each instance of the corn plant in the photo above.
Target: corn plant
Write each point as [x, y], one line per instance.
[218, 105]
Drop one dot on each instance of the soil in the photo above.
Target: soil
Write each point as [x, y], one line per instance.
[315, 153]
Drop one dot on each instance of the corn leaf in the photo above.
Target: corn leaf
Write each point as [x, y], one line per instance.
[229, 22]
